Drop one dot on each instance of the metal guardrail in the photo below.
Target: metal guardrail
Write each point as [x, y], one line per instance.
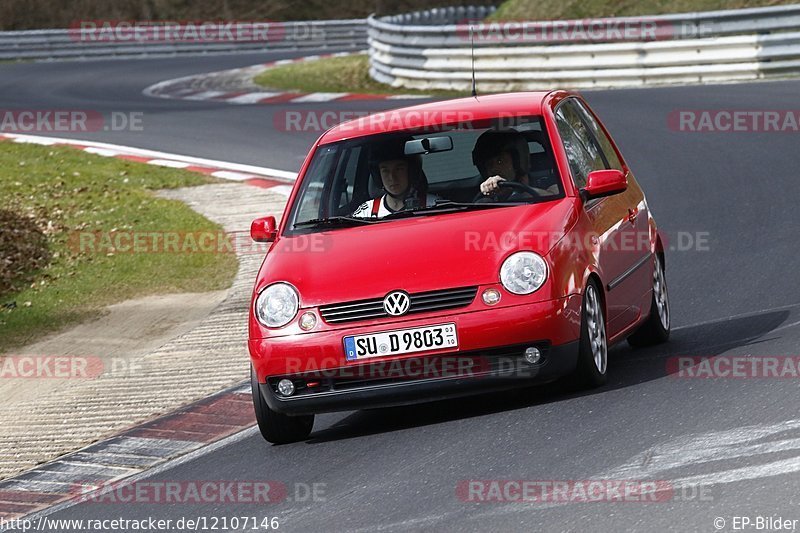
[432, 49]
[78, 44]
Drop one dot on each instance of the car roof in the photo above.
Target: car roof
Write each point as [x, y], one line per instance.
[444, 111]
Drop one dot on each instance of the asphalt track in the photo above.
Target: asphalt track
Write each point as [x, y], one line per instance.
[735, 440]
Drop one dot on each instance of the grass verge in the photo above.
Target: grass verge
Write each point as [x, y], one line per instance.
[578, 9]
[49, 196]
[344, 74]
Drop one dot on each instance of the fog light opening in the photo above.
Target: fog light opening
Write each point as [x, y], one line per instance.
[491, 296]
[308, 320]
[533, 355]
[286, 387]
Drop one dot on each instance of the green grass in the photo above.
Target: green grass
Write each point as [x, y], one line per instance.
[576, 9]
[63, 192]
[345, 74]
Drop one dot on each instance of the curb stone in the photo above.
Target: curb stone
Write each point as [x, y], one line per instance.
[236, 86]
[219, 339]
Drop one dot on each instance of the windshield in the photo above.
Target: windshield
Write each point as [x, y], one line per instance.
[394, 175]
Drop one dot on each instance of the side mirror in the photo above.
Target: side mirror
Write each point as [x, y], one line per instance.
[602, 183]
[263, 229]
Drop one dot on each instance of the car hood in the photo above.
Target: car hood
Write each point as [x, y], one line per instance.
[415, 254]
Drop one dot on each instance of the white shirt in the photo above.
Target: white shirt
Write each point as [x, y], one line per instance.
[365, 209]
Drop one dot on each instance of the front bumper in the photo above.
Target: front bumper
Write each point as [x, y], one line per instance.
[349, 393]
[491, 340]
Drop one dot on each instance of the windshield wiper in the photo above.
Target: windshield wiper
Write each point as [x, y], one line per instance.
[336, 222]
[450, 203]
[446, 206]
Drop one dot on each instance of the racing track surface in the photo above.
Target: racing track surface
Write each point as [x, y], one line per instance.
[398, 469]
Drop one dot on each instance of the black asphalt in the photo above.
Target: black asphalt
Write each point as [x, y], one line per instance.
[398, 469]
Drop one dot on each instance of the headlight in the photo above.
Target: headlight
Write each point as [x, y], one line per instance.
[523, 272]
[277, 305]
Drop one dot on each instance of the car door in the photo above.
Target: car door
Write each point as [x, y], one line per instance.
[611, 218]
[635, 280]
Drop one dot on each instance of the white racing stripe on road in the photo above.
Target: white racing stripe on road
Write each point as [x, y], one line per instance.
[288, 61]
[168, 163]
[182, 92]
[101, 151]
[205, 95]
[407, 96]
[680, 458]
[33, 140]
[158, 469]
[685, 451]
[775, 468]
[234, 176]
[250, 98]
[716, 446]
[154, 154]
[318, 97]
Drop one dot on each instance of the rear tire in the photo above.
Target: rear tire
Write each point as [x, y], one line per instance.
[656, 328]
[275, 427]
[592, 366]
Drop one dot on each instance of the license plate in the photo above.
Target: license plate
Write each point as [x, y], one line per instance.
[400, 342]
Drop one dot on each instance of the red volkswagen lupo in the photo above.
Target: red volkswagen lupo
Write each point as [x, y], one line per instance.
[448, 248]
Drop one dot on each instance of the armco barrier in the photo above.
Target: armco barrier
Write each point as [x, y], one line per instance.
[433, 49]
[73, 44]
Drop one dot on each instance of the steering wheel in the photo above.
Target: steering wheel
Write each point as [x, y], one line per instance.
[505, 184]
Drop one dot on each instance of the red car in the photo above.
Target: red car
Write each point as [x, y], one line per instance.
[448, 248]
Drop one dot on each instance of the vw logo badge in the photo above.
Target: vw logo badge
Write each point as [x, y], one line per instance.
[397, 303]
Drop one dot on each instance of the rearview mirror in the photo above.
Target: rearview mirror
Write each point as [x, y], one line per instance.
[602, 183]
[429, 145]
[263, 229]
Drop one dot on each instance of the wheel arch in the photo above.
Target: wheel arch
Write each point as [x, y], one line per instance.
[601, 291]
[659, 251]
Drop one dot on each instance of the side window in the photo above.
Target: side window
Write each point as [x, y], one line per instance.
[599, 134]
[582, 151]
[345, 184]
[313, 185]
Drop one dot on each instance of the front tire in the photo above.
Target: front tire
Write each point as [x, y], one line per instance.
[593, 346]
[656, 328]
[275, 427]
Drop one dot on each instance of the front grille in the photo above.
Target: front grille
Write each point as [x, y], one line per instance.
[421, 302]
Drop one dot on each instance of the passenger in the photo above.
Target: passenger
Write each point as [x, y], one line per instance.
[503, 155]
[402, 178]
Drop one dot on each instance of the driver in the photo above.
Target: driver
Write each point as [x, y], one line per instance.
[502, 155]
[400, 176]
